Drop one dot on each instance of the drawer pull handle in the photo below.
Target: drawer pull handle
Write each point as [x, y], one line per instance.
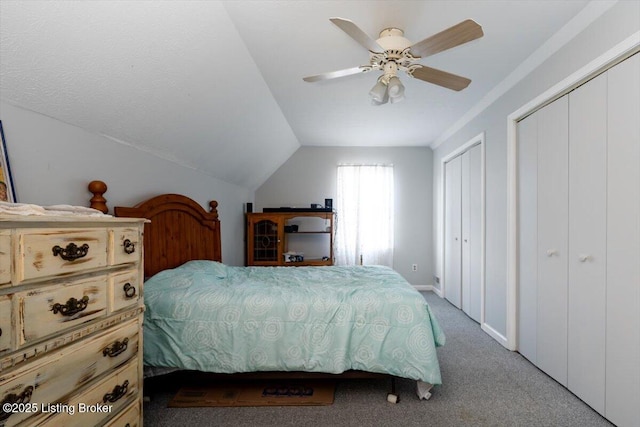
[116, 348]
[72, 252]
[117, 393]
[72, 306]
[129, 246]
[129, 290]
[0, 332]
[13, 398]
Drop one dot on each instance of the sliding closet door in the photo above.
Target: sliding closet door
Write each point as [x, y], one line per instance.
[623, 245]
[453, 232]
[587, 241]
[528, 236]
[471, 231]
[552, 182]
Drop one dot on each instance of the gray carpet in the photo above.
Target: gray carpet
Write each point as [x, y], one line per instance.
[483, 385]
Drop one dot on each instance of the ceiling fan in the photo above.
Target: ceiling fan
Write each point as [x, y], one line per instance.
[392, 52]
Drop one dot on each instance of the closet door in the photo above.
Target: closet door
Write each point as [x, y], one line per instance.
[587, 241]
[471, 232]
[528, 236]
[622, 405]
[552, 183]
[453, 232]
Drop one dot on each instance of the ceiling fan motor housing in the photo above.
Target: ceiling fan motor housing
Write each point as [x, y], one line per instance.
[396, 54]
[392, 39]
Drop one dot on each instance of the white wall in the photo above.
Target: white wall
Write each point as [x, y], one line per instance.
[309, 176]
[614, 26]
[53, 162]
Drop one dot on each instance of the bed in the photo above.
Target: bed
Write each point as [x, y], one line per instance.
[202, 315]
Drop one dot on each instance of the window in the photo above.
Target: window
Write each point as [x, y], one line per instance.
[364, 228]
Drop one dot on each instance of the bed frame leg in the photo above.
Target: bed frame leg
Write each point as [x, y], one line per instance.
[393, 397]
[423, 390]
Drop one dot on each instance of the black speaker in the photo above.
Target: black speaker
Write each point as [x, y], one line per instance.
[249, 207]
[328, 203]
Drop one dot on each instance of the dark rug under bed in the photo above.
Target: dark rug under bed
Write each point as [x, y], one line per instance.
[256, 393]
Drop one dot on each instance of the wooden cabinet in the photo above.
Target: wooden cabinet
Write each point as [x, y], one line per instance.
[70, 320]
[290, 239]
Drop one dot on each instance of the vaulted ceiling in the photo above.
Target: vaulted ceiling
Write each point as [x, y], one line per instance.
[217, 86]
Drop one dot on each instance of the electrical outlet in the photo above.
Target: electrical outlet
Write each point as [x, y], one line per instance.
[414, 267]
[436, 279]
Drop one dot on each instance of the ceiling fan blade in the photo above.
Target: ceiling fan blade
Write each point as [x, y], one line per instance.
[357, 34]
[439, 77]
[336, 74]
[461, 33]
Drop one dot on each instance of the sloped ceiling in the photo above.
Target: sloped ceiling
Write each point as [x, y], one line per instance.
[217, 86]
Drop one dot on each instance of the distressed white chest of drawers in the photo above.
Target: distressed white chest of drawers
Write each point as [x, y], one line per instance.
[71, 304]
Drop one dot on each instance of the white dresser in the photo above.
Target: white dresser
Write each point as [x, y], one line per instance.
[71, 321]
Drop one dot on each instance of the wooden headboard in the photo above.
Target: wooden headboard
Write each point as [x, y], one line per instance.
[179, 230]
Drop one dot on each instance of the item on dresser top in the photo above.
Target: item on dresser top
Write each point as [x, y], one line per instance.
[7, 191]
[54, 210]
[72, 210]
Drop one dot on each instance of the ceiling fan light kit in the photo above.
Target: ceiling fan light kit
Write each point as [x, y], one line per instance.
[395, 89]
[392, 52]
[378, 93]
[388, 87]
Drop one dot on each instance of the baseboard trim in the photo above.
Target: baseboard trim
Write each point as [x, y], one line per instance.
[422, 288]
[495, 335]
[437, 291]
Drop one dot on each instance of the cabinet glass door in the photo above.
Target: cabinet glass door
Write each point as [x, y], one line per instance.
[265, 241]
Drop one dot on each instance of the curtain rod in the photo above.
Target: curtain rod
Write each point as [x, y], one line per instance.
[366, 164]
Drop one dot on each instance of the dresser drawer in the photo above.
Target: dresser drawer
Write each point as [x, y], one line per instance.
[59, 251]
[60, 374]
[5, 257]
[25, 387]
[125, 246]
[47, 310]
[5, 324]
[100, 401]
[130, 417]
[124, 289]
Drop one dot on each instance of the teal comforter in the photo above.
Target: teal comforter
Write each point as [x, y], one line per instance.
[207, 316]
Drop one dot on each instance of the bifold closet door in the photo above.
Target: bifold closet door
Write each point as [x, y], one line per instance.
[587, 241]
[453, 232]
[528, 236]
[463, 239]
[623, 245]
[552, 239]
[579, 241]
[471, 231]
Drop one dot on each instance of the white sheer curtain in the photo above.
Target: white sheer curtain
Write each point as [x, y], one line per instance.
[364, 214]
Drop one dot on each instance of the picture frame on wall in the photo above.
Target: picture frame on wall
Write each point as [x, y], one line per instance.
[7, 192]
